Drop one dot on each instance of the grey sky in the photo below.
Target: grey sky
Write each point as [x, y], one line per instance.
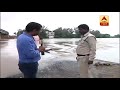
[12, 21]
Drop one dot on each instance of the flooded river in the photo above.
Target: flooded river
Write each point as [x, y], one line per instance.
[63, 49]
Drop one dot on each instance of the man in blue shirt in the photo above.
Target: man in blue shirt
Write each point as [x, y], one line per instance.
[29, 54]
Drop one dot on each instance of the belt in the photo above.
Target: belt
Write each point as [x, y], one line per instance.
[83, 55]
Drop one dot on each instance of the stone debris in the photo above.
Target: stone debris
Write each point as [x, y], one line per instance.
[102, 64]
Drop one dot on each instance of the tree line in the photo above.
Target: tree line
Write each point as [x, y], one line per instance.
[69, 33]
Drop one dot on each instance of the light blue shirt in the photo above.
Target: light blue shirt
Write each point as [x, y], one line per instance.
[27, 49]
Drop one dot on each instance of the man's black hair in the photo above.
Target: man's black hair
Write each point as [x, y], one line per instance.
[83, 26]
[33, 25]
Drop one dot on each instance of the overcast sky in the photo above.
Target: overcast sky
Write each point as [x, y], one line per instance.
[12, 21]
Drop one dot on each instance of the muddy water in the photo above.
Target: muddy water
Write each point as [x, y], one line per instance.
[63, 49]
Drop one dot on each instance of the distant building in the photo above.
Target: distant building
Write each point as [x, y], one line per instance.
[51, 34]
[4, 34]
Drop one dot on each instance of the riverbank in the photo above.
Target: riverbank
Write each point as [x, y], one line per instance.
[69, 69]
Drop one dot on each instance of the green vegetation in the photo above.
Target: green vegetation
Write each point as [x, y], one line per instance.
[74, 33]
[69, 33]
[20, 31]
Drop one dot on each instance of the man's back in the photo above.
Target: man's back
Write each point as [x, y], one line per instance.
[27, 48]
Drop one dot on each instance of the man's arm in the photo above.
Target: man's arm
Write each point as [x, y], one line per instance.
[92, 44]
[29, 50]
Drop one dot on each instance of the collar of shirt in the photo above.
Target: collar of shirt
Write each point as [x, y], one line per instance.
[86, 34]
[28, 35]
[83, 37]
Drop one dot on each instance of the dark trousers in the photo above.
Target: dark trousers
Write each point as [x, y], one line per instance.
[29, 69]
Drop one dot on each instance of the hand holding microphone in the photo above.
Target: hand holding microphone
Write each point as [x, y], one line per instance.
[42, 49]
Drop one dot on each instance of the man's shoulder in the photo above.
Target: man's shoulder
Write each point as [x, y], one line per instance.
[91, 37]
[23, 37]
